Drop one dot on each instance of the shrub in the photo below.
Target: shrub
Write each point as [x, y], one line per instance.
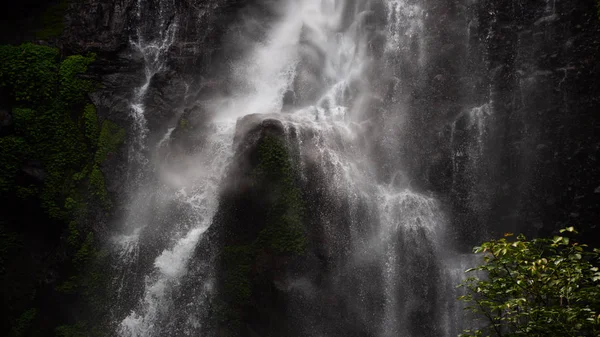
[535, 288]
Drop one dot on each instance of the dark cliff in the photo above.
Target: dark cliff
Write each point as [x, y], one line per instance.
[502, 126]
[509, 110]
[53, 260]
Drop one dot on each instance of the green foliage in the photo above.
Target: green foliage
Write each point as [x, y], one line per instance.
[76, 330]
[24, 119]
[183, 123]
[90, 123]
[111, 137]
[26, 192]
[9, 243]
[98, 187]
[30, 71]
[23, 324]
[85, 252]
[535, 288]
[56, 127]
[237, 282]
[47, 92]
[73, 236]
[73, 88]
[283, 233]
[13, 151]
[89, 278]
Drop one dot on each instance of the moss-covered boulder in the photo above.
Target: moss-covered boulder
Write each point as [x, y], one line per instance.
[261, 220]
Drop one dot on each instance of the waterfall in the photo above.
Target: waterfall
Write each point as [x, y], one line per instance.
[152, 41]
[330, 56]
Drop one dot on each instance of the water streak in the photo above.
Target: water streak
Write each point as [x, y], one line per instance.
[320, 50]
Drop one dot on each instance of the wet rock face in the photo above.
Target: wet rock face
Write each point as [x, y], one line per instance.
[111, 29]
[507, 106]
[544, 94]
[101, 26]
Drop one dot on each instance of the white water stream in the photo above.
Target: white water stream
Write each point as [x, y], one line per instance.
[333, 38]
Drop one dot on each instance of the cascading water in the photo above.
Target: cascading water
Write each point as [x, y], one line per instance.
[152, 41]
[197, 190]
[328, 55]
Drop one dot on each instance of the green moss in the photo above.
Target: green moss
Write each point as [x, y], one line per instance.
[73, 236]
[10, 242]
[284, 232]
[90, 278]
[64, 153]
[80, 175]
[98, 187]
[30, 71]
[55, 125]
[73, 88]
[13, 152]
[90, 123]
[237, 282]
[85, 252]
[24, 120]
[26, 192]
[23, 323]
[80, 329]
[70, 286]
[46, 92]
[111, 138]
[183, 123]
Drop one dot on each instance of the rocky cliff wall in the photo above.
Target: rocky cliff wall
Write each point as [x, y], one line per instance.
[508, 106]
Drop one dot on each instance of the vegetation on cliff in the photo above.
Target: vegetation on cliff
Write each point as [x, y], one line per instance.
[281, 235]
[51, 150]
[535, 288]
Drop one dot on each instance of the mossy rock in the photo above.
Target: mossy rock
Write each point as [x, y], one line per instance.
[281, 236]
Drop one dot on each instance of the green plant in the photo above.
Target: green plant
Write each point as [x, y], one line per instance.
[9, 243]
[237, 282]
[73, 236]
[13, 152]
[540, 287]
[23, 324]
[56, 130]
[90, 124]
[284, 232]
[30, 71]
[80, 329]
[111, 137]
[98, 187]
[183, 123]
[48, 93]
[73, 88]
